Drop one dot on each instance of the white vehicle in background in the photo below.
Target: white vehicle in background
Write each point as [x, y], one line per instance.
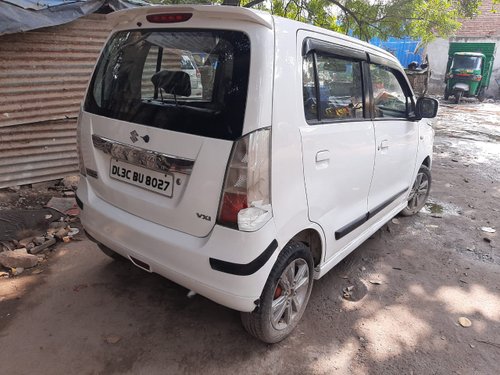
[301, 144]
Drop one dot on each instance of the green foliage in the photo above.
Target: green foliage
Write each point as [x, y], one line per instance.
[422, 19]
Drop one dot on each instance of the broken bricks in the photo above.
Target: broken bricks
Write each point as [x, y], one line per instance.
[18, 259]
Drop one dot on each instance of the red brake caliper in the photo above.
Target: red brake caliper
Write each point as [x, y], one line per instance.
[277, 292]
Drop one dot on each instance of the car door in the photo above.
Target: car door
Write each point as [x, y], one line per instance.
[396, 136]
[337, 140]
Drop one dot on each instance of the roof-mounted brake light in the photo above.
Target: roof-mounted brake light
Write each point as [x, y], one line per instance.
[169, 17]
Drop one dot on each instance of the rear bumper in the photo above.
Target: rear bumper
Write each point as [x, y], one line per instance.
[183, 258]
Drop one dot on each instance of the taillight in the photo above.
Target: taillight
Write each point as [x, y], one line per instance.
[81, 165]
[168, 17]
[246, 198]
[477, 77]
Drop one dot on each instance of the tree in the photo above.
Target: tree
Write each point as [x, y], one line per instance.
[420, 19]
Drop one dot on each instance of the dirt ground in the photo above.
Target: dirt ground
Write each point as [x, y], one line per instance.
[413, 280]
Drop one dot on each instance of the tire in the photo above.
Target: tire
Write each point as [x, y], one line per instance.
[481, 95]
[419, 192]
[110, 253]
[458, 96]
[446, 94]
[281, 306]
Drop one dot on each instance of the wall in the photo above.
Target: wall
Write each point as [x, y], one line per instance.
[43, 77]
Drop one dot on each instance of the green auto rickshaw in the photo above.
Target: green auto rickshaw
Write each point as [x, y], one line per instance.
[467, 75]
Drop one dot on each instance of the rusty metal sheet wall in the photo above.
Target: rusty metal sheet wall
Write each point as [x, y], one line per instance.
[43, 77]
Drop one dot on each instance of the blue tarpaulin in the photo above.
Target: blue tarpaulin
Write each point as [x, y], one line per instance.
[405, 49]
[25, 15]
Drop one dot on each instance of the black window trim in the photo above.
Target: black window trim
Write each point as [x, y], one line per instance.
[316, 45]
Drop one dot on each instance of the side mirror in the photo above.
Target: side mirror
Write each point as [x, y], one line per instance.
[426, 108]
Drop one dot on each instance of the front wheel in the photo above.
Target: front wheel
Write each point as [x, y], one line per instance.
[446, 94]
[458, 96]
[285, 296]
[481, 94]
[419, 192]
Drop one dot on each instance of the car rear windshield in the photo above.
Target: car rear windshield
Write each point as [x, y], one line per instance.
[190, 81]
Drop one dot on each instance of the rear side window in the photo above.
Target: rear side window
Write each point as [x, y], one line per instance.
[388, 96]
[193, 81]
[332, 88]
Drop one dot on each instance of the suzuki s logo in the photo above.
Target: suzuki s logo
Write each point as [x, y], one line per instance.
[133, 136]
[204, 217]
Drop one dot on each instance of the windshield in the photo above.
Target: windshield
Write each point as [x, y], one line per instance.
[191, 81]
[466, 62]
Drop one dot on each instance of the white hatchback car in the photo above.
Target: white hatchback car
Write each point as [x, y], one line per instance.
[302, 144]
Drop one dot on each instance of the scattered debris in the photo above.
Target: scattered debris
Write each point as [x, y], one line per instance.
[464, 322]
[112, 339]
[38, 240]
[375, 282]
[4, 274]
[18, 258]
[472, 346]
[191, 294]
[16, 271]
[395, 221]
[347, 292]
[69, 194]
[396, 268]
[66, 206]
[43, 246]
[486, 239]
[466, 180]
[488, 229]
[37, 271]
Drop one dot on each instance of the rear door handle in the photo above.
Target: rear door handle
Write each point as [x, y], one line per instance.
[384, 145]
[323, 155]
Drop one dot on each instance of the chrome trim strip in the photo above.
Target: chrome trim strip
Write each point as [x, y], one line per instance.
[153, 160]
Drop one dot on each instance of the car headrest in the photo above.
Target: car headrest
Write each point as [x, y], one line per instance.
[173, 82]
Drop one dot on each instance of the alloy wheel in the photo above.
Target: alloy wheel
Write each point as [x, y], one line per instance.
[290, 294]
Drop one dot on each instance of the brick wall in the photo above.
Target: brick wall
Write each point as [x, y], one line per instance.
[486, 24]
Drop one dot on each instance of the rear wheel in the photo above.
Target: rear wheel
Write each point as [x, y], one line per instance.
[419, 192]
[285, 296]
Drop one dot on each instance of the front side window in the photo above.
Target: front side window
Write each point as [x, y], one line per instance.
[388, 95]
[337, 82]
[191, 81]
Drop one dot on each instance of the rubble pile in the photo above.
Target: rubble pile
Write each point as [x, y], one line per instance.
[29, 235]
[16, 256]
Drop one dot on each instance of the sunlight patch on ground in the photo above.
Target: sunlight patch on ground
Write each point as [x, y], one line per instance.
[379, 329]
[476, 299]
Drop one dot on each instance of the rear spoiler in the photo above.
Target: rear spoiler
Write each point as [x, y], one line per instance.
[211, 11]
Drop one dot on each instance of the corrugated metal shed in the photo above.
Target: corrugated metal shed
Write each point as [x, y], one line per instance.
[43, 77]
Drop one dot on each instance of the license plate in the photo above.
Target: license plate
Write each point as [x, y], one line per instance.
[161, 183]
